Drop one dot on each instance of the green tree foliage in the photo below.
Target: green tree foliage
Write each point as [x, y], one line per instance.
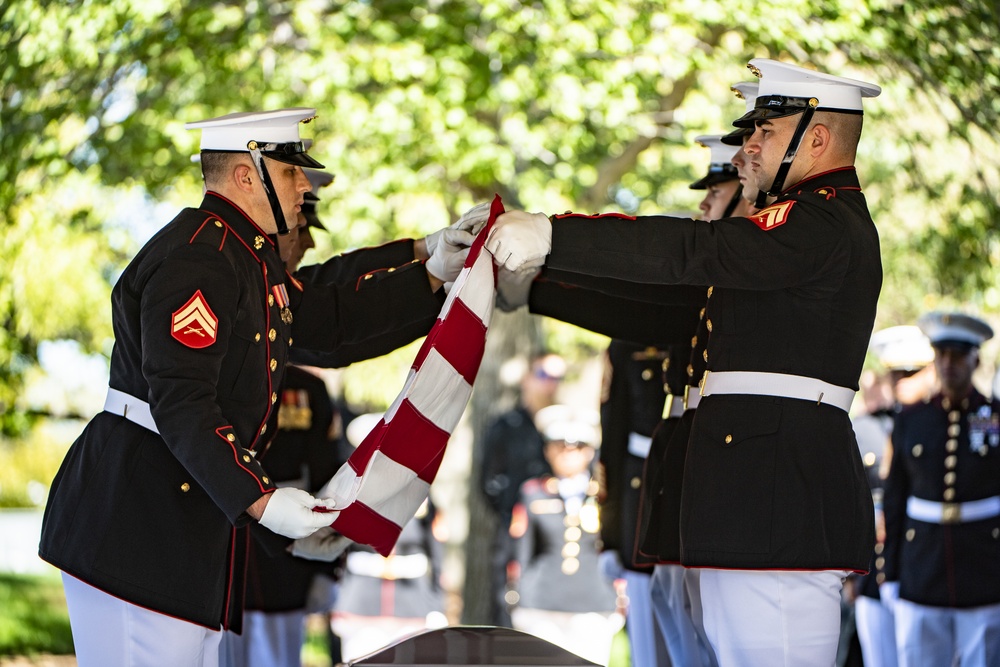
[426, 108]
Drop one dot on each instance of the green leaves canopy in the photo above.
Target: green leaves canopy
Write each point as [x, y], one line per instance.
[424, 110]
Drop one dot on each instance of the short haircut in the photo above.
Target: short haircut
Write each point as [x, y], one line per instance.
[846, 127]
[217, 165]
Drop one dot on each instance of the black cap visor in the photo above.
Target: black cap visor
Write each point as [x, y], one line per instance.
[292, 152]
[736, 137]
[715, 175]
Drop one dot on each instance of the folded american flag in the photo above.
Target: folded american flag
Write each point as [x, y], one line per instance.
[389, 475]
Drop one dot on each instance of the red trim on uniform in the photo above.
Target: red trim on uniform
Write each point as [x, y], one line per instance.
[593, 216]
[229, 577]
[243, 213]
[361, 278]
[236, 455]
[295, 281]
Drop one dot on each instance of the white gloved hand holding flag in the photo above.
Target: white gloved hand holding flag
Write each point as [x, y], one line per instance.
[388, 476]
[520, 239]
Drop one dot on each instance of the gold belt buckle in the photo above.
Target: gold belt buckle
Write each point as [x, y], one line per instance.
[951, 513]
[668, 406]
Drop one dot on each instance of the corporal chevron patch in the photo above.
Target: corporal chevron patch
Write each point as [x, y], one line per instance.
[194, 324]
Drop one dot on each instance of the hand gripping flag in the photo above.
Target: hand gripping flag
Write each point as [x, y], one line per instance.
[389, 475]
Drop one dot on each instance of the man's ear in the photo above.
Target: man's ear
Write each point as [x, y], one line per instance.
[243, 177]
[819, 139]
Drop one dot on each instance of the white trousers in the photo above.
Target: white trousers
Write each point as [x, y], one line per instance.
[109, 632]
[941, 636]
[772, 618]
[644, 639]
[269, 639]
[674, 592]
[876, 632]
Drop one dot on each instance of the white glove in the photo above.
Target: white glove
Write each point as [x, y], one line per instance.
[289, 512]
[513, 287]
[471, 221]
[520, 238]
[888, 593]
[325, 545]
[448, 258]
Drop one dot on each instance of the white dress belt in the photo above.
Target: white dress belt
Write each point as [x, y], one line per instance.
[410, 566]
[639, 445]
[776, 384]
[673, 406]
[131, 408]
[691, 401]
[930, 511]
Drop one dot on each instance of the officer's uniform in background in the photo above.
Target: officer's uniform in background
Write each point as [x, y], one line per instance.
[384, 598]
[512, 454]
[942, 510]
[632, 401]
[561, 595]
[901, 351]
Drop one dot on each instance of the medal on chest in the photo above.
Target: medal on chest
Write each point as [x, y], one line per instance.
[984, 430]
[281, 298]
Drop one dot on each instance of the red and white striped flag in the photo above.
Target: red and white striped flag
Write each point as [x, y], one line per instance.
[389, 475]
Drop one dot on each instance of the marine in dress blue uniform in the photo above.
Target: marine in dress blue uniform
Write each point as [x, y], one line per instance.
[901, 351]
[562, 596]
[774, 502]
[942, 510]
[151, 504]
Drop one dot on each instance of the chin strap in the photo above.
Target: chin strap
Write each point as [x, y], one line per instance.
[731, 206]
[265, 179]
[786, 163]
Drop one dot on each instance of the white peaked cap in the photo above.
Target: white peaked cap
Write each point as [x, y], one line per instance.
[234, 131]
[746, 91]
[721, 154]
[786, 89]
[951, 328]
[902, 348]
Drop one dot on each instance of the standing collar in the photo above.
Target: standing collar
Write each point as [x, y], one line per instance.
[237, 219]
[843, 177]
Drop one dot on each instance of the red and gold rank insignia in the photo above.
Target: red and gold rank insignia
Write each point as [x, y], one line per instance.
[772, 216]
[194, 324]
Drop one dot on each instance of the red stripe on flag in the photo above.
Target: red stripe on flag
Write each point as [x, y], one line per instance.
[361, 520]
[463, 341]
[364, 452]
[424, 441]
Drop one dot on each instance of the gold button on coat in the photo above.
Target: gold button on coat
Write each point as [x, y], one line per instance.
[274, 397]
[185, 487]
[635, 482]
[271, 335]
[270, 299]
[246, 457]
[231, 438]
[274, 364]
[256, 337]
[265, 479]
[917, 450]
[729, 439]
[949, 494]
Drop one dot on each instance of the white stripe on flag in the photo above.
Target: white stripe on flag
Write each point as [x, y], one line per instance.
[392, 490]
[402, 396]
[439, 392]
[478, 293]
